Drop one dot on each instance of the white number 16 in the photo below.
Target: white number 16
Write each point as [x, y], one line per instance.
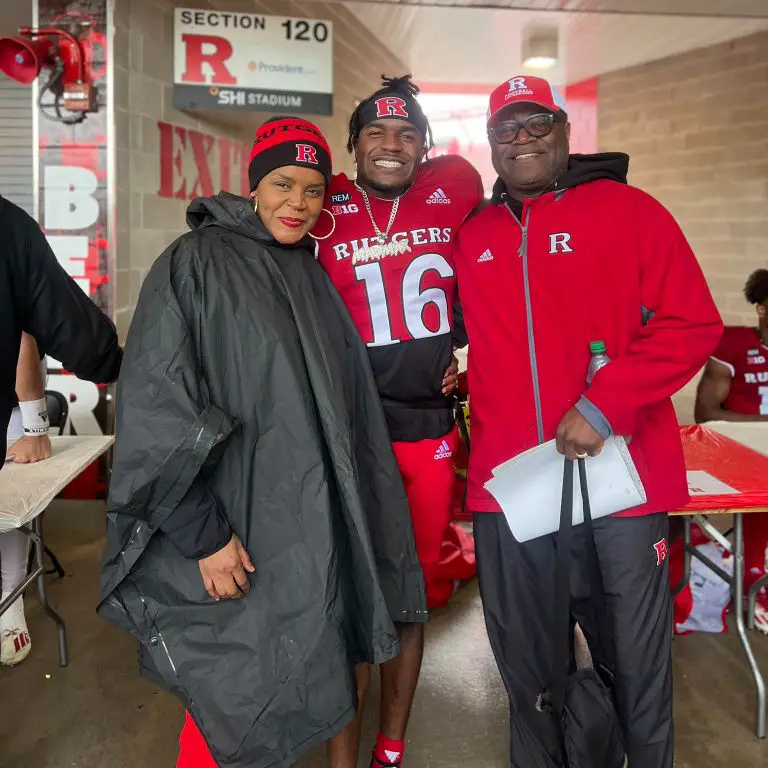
[414, 300]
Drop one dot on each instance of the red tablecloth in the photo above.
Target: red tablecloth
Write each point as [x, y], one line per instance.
[730, 462]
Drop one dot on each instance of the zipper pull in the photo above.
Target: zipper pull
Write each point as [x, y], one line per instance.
[521, 251]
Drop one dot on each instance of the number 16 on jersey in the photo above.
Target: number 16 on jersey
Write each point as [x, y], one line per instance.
[425, 312]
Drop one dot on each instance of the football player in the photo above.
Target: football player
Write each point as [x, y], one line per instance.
[389, 255]
[734, 387]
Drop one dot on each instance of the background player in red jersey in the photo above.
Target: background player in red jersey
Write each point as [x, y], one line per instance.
[389, 256]
[734, 387]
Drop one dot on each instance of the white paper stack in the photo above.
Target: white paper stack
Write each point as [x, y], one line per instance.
[529, 487]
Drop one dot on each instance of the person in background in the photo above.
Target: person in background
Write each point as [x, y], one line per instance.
[565, 254]
[734, 387]
[28, 442]
[39, 297]
[41, 308]
[259, 543]
[388, 251]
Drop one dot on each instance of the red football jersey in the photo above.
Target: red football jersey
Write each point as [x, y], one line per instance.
[402, 304]
[743, 353]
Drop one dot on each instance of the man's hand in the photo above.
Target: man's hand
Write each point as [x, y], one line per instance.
[451, 377]
[30, 450]
[575, 437]
[224, 571]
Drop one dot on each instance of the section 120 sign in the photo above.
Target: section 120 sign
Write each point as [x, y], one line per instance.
[250, 61]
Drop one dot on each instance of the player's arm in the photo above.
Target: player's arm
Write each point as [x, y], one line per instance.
[29, 377]
[35, 445]
[712, 392]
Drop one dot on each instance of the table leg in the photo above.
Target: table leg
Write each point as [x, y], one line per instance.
[738, 601]
[37, 529]
[686, 558]
[754, 590]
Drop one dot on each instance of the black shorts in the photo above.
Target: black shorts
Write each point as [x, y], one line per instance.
[517, 589]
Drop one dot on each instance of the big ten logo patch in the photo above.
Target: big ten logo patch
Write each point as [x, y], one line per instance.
[339, 210]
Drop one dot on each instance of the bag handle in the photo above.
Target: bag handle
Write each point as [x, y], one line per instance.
[596, 588]
[561, 615]
[561, 618]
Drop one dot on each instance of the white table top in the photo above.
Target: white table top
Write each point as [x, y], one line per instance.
[27, 489]
[753, 434]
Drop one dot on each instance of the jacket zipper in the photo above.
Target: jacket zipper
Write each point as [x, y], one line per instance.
[523, 253]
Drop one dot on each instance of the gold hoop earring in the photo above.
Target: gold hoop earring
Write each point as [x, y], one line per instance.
[333, 226]
[255, 204]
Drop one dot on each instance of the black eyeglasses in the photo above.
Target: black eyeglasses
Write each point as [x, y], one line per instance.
[536, 126]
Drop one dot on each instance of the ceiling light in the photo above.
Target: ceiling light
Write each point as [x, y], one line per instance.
[540, 49]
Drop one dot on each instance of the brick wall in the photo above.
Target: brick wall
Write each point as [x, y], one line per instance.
[151, 196]
[696, 129]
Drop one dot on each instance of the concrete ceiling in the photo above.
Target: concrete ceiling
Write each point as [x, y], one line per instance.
[473, 45]
[725, 8]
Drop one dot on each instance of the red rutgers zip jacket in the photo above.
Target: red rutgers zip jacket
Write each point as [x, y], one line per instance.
[594, 260]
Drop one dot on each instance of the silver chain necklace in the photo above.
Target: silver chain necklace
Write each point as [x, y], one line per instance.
[381, 248]
[381, 237]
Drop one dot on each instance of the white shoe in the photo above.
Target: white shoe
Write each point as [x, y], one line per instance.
[15, 644]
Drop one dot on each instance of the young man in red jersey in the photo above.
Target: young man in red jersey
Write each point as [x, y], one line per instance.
[734, 387]
[389, 256]
[565, 254]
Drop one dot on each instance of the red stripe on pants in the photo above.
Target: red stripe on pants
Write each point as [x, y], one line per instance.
[429, 478]
[193, 751]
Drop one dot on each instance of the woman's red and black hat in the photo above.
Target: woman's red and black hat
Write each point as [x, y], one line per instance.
[286, 141]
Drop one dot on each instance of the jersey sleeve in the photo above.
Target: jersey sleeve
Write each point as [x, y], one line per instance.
[469, 189]
[460, 181]
[727, 349]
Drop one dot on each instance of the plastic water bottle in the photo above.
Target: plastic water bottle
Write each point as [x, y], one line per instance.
[599, 360]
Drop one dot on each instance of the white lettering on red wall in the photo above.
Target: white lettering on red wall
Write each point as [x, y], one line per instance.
[74, 201]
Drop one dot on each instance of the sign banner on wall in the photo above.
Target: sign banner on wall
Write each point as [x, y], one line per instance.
[249, 61]
[74, 197]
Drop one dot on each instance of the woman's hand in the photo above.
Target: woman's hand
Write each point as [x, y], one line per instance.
[224, 571]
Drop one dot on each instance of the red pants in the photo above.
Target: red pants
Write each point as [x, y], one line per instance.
[429, 479]
[193, 751]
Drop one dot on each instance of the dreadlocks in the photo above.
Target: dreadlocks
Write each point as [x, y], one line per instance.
[399, 88]
[756, 289]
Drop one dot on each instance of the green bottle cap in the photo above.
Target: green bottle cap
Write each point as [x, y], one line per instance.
[597, 347]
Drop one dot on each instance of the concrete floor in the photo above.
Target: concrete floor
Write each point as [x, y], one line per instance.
[97, 713]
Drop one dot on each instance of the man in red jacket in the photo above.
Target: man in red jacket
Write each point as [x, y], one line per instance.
[566, 254]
